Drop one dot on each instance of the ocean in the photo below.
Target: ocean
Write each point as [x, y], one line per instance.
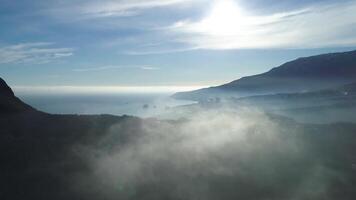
[135, 104]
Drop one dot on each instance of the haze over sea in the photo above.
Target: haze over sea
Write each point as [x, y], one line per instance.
[137, 101]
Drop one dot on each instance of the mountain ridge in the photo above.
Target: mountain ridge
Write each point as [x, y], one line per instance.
[302, 74]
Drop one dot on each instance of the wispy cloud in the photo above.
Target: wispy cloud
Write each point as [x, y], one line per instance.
[40, 52]
[126, 7]
[101, 68]
[164, 51]
[149, 68]
[110, 8]
[115, 67]
[227, 26]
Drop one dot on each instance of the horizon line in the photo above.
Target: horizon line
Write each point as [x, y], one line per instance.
[108, 89]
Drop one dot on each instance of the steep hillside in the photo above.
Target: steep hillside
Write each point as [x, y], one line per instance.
[9, 103]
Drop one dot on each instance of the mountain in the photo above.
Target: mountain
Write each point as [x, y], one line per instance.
[9, 103]
[303, 74]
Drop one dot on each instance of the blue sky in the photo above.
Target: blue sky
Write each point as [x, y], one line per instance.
[164, 42]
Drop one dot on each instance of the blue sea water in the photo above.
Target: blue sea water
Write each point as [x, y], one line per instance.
[136, 104]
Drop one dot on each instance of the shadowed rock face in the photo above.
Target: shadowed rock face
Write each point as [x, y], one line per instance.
[303, 74]
[5, 89]
[9, 103]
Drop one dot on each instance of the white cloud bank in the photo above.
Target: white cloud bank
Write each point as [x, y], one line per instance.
[227, 26]
[38, 53]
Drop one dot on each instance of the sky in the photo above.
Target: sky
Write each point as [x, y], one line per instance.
[164, 42]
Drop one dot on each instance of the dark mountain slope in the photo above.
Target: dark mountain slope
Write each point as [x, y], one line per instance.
[303, 74]
[9, 103]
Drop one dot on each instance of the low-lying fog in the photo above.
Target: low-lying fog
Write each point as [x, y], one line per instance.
[216, 154]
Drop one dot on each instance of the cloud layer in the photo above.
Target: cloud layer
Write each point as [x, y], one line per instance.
[38, 53]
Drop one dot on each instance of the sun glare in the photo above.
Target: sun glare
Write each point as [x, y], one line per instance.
[227, 25]
[225, 18]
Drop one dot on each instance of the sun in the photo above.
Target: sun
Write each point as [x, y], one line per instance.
[225, 18]
[227, 25]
